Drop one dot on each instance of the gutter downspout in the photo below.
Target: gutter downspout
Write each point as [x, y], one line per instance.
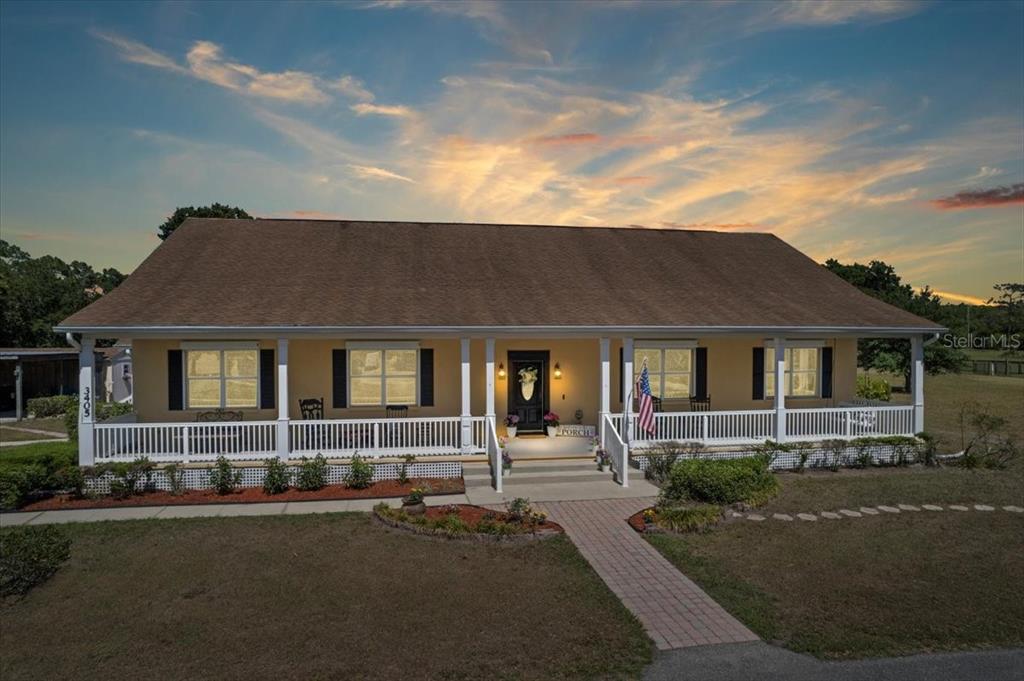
[71, 341]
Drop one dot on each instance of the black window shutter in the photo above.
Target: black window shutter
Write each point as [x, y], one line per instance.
[622, 372]
[701, 390]
[426, 377]
[175, 382]
[267, 369]
[339, 358]
[826, 372]
[758, 373]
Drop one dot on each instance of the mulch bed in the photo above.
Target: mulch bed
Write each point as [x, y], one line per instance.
[636, 521]
[384, 489]
[471, 515]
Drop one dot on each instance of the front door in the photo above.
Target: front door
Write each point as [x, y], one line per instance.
[528, 388]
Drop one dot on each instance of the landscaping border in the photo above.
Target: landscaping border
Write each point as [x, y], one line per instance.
[548, 530]
[819, 457]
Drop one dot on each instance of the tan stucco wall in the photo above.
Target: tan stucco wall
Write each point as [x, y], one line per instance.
[730, 368]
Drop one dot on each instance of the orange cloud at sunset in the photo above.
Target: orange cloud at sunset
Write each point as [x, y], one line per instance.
[982, 198]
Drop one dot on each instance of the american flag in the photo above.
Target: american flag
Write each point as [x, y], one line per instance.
[645, 417]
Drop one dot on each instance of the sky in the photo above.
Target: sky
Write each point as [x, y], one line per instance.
[853, 130]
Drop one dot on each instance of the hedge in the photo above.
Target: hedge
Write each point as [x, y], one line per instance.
[721, 481]
[54, 405]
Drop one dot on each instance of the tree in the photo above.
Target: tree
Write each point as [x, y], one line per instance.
[217, 210]
[1010, 302]
[38, 293]
[879, 280]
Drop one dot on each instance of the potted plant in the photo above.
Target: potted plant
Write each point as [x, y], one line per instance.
[551, 421]
[603, 460]
[649, 516]
[506, 463]
[413, 503]
[511, 423]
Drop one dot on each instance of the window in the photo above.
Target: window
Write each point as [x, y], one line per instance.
[379, 376]
[218, 378]
[670, 370]
[802, 372]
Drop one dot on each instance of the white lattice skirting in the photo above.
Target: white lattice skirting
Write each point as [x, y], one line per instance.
[818, 457]
[252, 476]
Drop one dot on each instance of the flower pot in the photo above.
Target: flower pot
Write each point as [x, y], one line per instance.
[511, 430]
[506, 471]
[414, 508]
[552, 430]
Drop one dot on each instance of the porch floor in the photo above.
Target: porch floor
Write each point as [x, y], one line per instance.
[544, 447]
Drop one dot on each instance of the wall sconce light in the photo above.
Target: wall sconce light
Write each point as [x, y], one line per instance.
[501, 370]
[558, 371]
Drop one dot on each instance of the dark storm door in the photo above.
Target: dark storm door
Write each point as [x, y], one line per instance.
[528, 388]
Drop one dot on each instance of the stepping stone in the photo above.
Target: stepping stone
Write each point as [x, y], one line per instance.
[806, 516]
[908, 507]
[830, 515]
[734, 514]
[851, 514]
[931, 507]
[889, 509]
[867, 510]
[983, 507]
[956, 507]
[783, 516]
[1013, 509]
[755, 517]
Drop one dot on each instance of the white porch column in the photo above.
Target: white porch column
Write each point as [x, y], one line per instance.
[86, 402]
[467, 423]
[489, 360]
[917, 380]
[606, 387]
[627, 390]
[780, 389]
[282, 399]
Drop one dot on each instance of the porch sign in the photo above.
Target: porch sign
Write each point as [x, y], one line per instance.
[577, 430]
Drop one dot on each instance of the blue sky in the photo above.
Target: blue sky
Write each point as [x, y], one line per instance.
[890, 130]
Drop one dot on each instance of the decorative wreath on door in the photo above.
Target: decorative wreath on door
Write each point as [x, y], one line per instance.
[527, 379]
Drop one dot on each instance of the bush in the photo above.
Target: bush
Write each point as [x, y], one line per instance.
[29, 556]
[223, 476]
[175, 474]
[803, 450]
[928, 449]
[17, 482]
[360, 474]
[720, 481]
[278, 477]
[663, 456]
[312, 474]
[55, 405]
[72, 478]
[986, 446]
[873, 388]
[104, 411]
[688, 518]
[128, 475]
[834, 453]
[769, 450]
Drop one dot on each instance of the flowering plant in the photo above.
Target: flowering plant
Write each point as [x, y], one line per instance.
[511, 420]
[506, 459]
[552, 419]
[415, 495]
[649, 515]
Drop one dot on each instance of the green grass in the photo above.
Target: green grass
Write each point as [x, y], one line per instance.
[311, 597]
[15, 435]
[53, 424]
[21, 454]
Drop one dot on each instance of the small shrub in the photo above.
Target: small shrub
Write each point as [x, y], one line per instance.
[769, 450]
[518, 509]
[864, 458]
[54, 405]
[312, 474]
[720, 481]
[688, 518]
[17, 482]
[928, 449]
[175, 474]
[224, 479]
[873, 388]
[491, 524]
[663, 456]
[803, 450]
[834, 452]
[278, 477]
[360, 473]
[986, 444]
[451, 525]
[29, 556]
[72, 478]
[403, 469]
[128, 475]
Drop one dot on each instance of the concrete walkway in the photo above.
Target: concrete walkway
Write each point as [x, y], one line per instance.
[675, 612]
[761, 662]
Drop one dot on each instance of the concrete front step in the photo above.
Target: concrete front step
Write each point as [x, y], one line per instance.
[539, 473]
[547, 479]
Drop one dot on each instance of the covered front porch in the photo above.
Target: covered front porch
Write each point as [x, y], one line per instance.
[457, 392]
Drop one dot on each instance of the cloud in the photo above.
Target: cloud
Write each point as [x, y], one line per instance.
[832, 12]
[982, 198]
[633, 179]
[569, 138]
[959, 297]
[374, 173]
[714, 226]
[395, 111]
[206, 61]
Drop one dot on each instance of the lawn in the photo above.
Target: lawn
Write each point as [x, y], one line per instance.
[874, 586]
[17, 435]
[33, 453]
[315, 596]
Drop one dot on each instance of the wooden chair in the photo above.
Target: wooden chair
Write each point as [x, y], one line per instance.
[312, 409]
[218, 415]
[396, 411]
[700, 403]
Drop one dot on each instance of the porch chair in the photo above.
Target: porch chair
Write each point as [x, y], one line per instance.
[396, 411]
[658, 406]
[700, 403]
[312, 409]
[218, 415]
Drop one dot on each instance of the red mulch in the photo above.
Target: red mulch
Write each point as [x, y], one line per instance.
[471, 515]
[254, 495]
[636, 521]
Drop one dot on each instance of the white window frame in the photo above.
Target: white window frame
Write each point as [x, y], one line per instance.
[220, 347]
[661, 346]
[769, 369]
[383, 347]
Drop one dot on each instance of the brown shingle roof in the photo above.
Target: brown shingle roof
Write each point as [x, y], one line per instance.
[306, 273]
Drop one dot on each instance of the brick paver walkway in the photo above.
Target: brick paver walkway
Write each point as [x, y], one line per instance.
[675, 612]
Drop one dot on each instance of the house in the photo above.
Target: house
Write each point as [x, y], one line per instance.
[116, 370]
[35, 372]
[459, 325]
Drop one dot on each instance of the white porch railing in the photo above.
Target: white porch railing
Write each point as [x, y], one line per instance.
[617, 451]
[494, 455]
[386, 437]
[709, 427]
[848, 422]
[185, 442]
